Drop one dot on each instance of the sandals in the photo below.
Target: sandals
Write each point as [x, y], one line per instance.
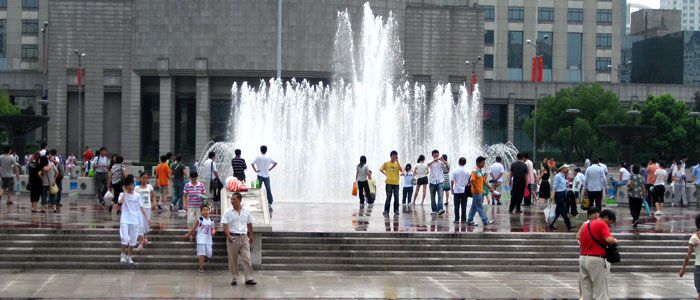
[201, 270]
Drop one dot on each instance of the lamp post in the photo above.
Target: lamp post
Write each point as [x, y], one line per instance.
[80, 99]
[573, 112]
[44, 102]
[695, 116]
[634, 113]
[473, 79]
[534, 112]
[620, 67]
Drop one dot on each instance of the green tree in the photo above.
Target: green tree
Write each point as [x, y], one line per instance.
[673, 126]
[597, 106]
[6, 106]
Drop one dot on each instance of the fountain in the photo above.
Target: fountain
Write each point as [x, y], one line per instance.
[317, 133]
[626, 135]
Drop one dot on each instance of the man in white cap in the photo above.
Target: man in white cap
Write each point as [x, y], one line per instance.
[559, 197]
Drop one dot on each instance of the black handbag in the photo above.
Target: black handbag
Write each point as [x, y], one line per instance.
[612, 253]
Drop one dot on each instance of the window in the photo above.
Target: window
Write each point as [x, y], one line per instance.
[603, 40]
[30, 26]
[516, 13]
[488, 37]
[495, 123]
[575, 15]
[604, 16]
[3, 31]
[545, 49]
[515, 55]
[30, 3]
[489, 12]
[30, 52]
[602, 63]
[3, 3]
[573, 57]
[488, 61]
[545, 14]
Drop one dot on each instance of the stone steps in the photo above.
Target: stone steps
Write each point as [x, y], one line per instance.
[338, 251]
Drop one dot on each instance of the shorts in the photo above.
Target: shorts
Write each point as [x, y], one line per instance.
[129, 233]
[143, 223]
[422, 180]
[193, 214]
[8, 184]
[164, 190]
[204, 250]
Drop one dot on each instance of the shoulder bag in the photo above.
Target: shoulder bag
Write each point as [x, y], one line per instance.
[612, 253]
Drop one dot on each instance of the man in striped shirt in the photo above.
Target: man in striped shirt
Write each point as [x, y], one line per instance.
[238, 165]
[194, 198]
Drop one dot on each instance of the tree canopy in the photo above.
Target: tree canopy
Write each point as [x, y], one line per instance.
[6, 106]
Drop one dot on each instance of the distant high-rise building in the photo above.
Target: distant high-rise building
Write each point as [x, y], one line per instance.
[690, 14]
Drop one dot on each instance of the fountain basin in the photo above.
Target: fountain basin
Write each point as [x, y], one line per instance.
[626, 135]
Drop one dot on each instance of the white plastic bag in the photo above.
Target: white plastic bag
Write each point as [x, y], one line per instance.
[549, 213]
[108, 196]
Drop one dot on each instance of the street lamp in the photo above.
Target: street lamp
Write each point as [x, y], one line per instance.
[634, 113]
[534, 112]
[44, 102]
[573, 112]
[620, 67]
[695, 116]
[80, 56]
[473, 79]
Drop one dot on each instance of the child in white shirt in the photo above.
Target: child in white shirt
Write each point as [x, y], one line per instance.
[205, 230]
[129, 227]
[146, 191]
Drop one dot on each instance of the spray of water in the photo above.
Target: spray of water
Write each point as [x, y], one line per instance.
[317, 133]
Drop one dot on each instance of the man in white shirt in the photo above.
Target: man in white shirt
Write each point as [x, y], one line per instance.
[678, 177]
[209, 174]
[238, 227]
[436, 181]
[497, 171]
[458, 182]
[531, 184]
[263, 165]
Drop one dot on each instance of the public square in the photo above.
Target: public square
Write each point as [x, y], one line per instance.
[261, 149]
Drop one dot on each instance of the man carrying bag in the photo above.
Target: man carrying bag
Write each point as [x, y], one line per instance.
[598, 251]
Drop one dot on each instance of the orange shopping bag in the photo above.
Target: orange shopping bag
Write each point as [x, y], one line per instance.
[354, 188]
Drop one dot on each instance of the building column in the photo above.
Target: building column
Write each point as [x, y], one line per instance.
[203, 115]
[131, 111]
[94, 107]
[511, 118]
[166, 127]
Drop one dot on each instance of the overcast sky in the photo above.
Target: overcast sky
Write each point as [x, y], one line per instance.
[650, 3]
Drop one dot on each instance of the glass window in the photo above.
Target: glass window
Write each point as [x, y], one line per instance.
[495, 123]
[545, 48]
[545, 14]
[521, 139]
[488, 37]
[488, 61]
[30, 3]
[573, 56]
[575, 15]
[603, 40]
[3, 34]
[515, 55]
[604, 16]
[3, 3]
[602, 63]
[30, 26]
[489, 12]
[30, 52]
[516, 13]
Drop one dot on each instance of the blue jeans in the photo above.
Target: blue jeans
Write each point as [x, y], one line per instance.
[391, 189]
[477, 206]
[177, 195]
[46, 197]
[266, 182]
[436, 188]
[407, 193]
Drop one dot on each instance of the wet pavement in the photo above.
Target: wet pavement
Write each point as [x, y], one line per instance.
[285, 284]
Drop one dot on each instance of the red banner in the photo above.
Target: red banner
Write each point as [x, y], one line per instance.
[540, 63]
[534, 69]
[471, 88]
[80, 77]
